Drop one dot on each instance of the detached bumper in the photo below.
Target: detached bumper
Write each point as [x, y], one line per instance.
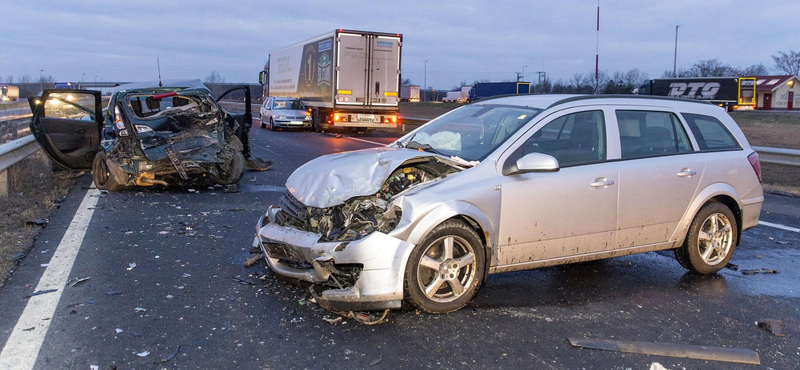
[300, 255]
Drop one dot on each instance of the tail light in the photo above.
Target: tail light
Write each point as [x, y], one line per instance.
[753, 158]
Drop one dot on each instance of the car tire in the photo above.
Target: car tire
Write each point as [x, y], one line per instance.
[101, 175]
[271, 124]
[234, 172]
[451, 279]
[710, 241]
[263, 125]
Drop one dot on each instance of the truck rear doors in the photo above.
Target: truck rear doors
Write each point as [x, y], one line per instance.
[368, 69]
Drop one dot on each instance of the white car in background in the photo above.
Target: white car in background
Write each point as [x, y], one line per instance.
[284, 113]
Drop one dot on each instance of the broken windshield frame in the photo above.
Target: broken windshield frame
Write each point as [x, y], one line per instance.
[197, 103]
[471, 132]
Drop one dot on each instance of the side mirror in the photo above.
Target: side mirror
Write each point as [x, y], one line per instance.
[537, 162]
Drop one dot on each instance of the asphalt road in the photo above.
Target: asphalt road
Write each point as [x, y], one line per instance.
[189, 245]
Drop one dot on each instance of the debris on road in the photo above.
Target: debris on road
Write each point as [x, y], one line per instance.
[40, 292]
[732, 267]
[143, 354]
[657, 366]
[118, 330]
[375, 361]
[171, 356]
[238, 279]
[140, 309]
[37, 222]
[332, 321]
[113, 292]
[368, 318]
[773, 326]
[131, 266]
[16, 257]
[737, 355]
[253, 260]
[232, 188]
[77, 281]
[759, 271]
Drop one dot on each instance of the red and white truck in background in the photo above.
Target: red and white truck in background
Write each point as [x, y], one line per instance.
[348, 79]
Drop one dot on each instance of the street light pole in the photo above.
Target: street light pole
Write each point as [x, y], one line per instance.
[82, 75]
[675, 60]
[41, 89]
[425, 81]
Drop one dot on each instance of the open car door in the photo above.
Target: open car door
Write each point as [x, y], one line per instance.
[67, 125]
[245, 119]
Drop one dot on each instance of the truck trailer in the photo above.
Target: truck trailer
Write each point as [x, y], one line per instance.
[488, 89]
[409, 93]
[727, 92]
[9, 93]
[348, 79]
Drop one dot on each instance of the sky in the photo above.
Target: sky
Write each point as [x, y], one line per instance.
[461, 40]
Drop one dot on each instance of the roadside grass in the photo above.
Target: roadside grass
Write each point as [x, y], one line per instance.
[34, 194]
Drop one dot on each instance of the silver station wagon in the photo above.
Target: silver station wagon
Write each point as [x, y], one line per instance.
[514, 183]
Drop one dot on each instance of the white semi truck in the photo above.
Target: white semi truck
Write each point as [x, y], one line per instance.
[348, 79]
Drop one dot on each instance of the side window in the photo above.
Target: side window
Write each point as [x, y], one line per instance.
[573, 139]
[710, 133]
[649, 134]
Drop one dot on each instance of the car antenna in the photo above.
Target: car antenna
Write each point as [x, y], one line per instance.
[159, 72]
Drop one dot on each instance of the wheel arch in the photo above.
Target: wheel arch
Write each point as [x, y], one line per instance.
[720, 192]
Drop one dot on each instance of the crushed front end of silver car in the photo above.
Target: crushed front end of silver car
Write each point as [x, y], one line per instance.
[335, 225]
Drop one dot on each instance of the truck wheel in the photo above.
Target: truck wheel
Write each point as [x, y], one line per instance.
[446, 270]
[315, 126]
[103, 179]
[233, 172]
[711, 240]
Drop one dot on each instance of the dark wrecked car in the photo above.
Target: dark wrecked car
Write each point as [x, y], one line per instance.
[166, 134]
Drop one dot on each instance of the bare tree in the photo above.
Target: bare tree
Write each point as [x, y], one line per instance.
[711, 68]
[405, 82]
[753, 70]
[788, 63]
[10, 79]
[480, 81]
[25, 79]
[635, 77]
[213, 82]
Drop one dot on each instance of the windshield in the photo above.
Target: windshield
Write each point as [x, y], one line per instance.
[471, 132]
[288, 104]
[145, 106]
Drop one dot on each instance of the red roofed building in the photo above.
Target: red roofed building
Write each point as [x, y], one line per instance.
[777, 92]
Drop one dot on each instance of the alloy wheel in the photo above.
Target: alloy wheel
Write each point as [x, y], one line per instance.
[715, 238]
[446, 269]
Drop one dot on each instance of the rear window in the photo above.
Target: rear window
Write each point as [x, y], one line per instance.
[145, 106]
[710, 133]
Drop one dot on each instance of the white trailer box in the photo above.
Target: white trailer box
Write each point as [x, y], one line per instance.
[349, 79]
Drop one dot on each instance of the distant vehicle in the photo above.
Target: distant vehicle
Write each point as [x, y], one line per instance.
[409, 93]
[153, 133]
[9, 93]
[458, 96]
[727, 92]
[284, 113]
[349, 79]
[488, 89]
[65, 86]
[451, 96]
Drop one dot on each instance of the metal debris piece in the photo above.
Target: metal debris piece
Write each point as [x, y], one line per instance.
[332, 321]
[759, 271]
[140, 309]
[37, 222]
[369, 318]
[77, 281]
[657, 366]
[253, 260]
[375, 361]
[40, 292]
[239, 280]
[16, 257]
[732, 267]
[232, 188]
[131, 266]
[118, 330]
[773, 326]
[143, 354]
[737, 355]
[113, 292]
[170, 357]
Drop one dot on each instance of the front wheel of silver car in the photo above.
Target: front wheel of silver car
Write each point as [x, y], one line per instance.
[445, 271]
[711, 240]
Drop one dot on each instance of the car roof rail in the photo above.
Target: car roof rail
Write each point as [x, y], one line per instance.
[625, 96]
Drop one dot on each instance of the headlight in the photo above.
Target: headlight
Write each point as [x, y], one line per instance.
[308, 118]
[281, 117]
[142, 128]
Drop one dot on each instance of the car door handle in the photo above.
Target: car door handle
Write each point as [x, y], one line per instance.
[601, 182]
[687, 172]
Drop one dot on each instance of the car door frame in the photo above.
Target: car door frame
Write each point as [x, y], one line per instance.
[672, 236]
[247, 117]
[612, 154]
[39, 112]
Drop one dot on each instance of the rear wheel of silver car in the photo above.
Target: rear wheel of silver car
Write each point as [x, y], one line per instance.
[445, 271]
[103, 179]
[711, 240]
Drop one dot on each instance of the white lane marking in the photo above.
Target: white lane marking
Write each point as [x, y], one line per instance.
[362, 140]
[779, 226]
[22, 347]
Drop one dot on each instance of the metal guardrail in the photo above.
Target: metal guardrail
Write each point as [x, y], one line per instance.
[16, 150]
[781, 156]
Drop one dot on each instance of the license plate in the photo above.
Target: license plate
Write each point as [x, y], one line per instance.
[366, 118]
[296, 122]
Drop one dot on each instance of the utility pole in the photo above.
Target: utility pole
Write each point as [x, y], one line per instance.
[675, 60]
[41, 89]
[82, 76]
[518, 76]
[597, 52]
[425, 82]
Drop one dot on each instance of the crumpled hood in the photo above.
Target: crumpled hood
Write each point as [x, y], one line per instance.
[332, 179]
